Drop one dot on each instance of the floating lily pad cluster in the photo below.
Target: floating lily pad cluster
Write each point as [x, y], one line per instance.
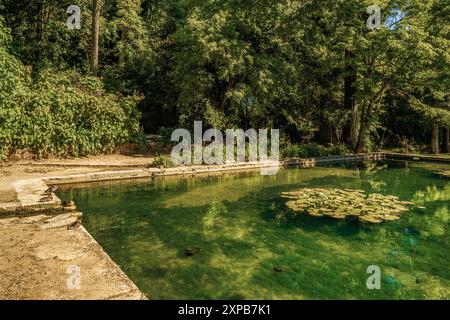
[346, 203]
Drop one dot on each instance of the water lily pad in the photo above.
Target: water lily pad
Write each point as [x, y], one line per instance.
[342, 203]
[390, 218]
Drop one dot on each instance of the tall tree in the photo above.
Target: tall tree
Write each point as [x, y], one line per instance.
[429, 93]
[445, 145]
[96, 8]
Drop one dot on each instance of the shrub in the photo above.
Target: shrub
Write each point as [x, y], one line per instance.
[316, 150]
[313, 150]
[12, 75]
[141, 140]
[163, 161]
[164, 142]
[66, 114]
[294, 151]
[338, 150]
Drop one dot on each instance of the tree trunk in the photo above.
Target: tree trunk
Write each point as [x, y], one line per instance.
[359, 146]
[95, 35]
[446, 145]
[349, 99]
[435, 139]
[40, 24]
[367, 110]
[42, 19]
[326, 133]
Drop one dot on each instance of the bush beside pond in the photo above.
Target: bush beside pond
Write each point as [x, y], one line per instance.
[313, 150]
[66, 114]
[59, 113]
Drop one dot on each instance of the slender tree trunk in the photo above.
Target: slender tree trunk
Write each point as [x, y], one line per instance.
[359, 145]
[95, 35]
[435, 139]
[42, 20]
[349, 99]
[446, 146]
[368, 108]
[40, 24]
[326, 133]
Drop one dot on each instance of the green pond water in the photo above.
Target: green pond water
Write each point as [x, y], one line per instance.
[146, 226]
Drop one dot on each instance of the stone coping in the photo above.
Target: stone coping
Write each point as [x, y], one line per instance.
[417, 157]
[81, 165]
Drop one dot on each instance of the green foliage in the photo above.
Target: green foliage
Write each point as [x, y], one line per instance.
[40, 35]
[338, 150]
[240, 64]
[11, 70]
[294, 151]
[165, 137]
[141, 140]
[163, 161]
[431, 113]
[313, 150]
[65, 114]
[212, 216]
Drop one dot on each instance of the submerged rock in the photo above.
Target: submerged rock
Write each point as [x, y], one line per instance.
[349, 204]
[279, 268]
[191, 251]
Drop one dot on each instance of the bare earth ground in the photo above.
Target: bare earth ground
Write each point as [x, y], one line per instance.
[34, 262]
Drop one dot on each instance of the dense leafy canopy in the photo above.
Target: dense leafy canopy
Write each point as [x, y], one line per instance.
[309, 67]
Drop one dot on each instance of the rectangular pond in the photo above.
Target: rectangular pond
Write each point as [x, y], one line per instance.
[245, 245]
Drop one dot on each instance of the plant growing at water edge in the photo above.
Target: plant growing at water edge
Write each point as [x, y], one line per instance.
[163, 161]
[314, 150]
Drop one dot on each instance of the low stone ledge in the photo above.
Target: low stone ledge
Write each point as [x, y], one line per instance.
[18, 210]
[98, 176]
[83, 165]
[415, 157]
[62, 220]
[310, 162]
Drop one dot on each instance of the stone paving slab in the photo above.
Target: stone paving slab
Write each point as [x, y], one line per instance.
[36, 264]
